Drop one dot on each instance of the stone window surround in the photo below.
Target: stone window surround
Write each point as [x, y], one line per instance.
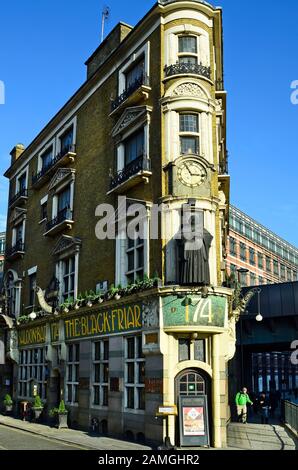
[136, 385]
[134, 58]
[121, 260]
[73, 251]
[100, 362]
[67, 180]
[18, 177]
[172, 43]
[55, 141]
[127, 132]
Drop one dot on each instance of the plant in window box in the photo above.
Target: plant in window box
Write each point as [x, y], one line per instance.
[37, 407]
[8, 403]
[61, 412]
[67, 305]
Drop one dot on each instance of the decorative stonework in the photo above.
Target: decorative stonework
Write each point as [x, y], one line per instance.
[129, 116]
[189, 89]
[151, 313]
[67, 243]
[218, 105]
[59, 176]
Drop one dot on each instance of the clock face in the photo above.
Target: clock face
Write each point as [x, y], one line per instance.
[191, 173]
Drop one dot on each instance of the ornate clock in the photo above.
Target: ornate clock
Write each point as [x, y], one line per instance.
[191, 173]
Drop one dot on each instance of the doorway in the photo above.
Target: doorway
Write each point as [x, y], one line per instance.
[192, 383]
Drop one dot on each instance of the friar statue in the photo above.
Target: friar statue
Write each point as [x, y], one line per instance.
[193, 249]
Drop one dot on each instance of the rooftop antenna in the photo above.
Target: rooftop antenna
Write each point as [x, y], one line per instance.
[105, 15]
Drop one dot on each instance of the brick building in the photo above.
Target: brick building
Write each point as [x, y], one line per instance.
[149, 124]
[268, 258]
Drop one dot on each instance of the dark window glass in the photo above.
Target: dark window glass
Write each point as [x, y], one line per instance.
[96, 394]
[105, 350]
[199, 350]
[44, 211]
[47, 158]
[184, 349]
[105, 376]
[189, 145]
[141, 398]
[130, 372]
[189, 123]
[32, 285]
[188, 44]
[130, 397]
[97, 373]
[135, 74]
[130, 348]
[66, 140]
[141, 372]
[97, 351]
[134, 147]
[105, 396]
[64, 199]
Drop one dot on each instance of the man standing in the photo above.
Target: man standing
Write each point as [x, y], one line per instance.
[241, 400]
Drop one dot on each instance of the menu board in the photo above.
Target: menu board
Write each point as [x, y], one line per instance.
[193, 420]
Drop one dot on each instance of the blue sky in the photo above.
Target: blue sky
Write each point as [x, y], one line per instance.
[44, 45]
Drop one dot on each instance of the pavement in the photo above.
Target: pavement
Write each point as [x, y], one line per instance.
[72, 437]
[253, 436]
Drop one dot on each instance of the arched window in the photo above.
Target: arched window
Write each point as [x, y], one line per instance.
[191, 383]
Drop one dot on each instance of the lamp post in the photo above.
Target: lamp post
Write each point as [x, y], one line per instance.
[258, 318]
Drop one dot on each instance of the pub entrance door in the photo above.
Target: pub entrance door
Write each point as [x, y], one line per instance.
[193, 399]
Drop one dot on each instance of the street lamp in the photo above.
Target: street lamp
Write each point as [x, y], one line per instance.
[241, 271]
[258, 318]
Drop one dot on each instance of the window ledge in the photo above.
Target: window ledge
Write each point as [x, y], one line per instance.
[142, 93]
[64, 225]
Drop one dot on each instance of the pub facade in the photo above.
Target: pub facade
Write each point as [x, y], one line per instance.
[122, 328]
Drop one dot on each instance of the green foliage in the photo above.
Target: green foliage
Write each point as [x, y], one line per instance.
[8, 400]
[23, 319]
[61, 410]
[38, 403]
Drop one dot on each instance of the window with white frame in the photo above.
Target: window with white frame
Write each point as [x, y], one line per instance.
[32, 371]
[68, 273]
[135, 258]
[189, 133]
[100, 373]
[72, 373]
[22, 183]
[188, 49]
[134, 373]
[135, 74]
[66, 140]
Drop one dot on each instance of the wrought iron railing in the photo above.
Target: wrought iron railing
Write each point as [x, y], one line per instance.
[19, 247]
[223, 168]
[139, 164]
[289, 414]
[70, 148]
[22, 193]
[185, 68]
[64, 214]
[141, 80]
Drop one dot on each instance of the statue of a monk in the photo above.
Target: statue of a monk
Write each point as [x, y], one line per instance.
[194, 249]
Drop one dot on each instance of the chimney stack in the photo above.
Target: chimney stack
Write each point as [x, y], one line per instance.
[16, 152]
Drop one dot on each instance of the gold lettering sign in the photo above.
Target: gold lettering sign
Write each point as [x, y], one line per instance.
[124, 318]
[36, 335]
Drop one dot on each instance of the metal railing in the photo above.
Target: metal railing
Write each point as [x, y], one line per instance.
[64, 214]
[289, 414]
[19, 247]
[70, 148]
[139, 164]
[141, 80]
[185, 68]
[22, 193]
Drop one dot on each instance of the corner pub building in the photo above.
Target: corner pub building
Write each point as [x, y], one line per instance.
[149, 123]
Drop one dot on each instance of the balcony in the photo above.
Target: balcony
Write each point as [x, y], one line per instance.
[223, 169]
[134, 173]
[19, 199]
[62, 221]
[186, 69]
[133, 94]
[64, 157]
[15, 251]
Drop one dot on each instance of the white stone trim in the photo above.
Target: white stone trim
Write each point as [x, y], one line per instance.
[51, 143]
[145, 50]
[44, 200]
[72, 123]
[24, 171]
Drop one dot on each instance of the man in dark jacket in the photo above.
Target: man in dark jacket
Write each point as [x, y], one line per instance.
[264, 405]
